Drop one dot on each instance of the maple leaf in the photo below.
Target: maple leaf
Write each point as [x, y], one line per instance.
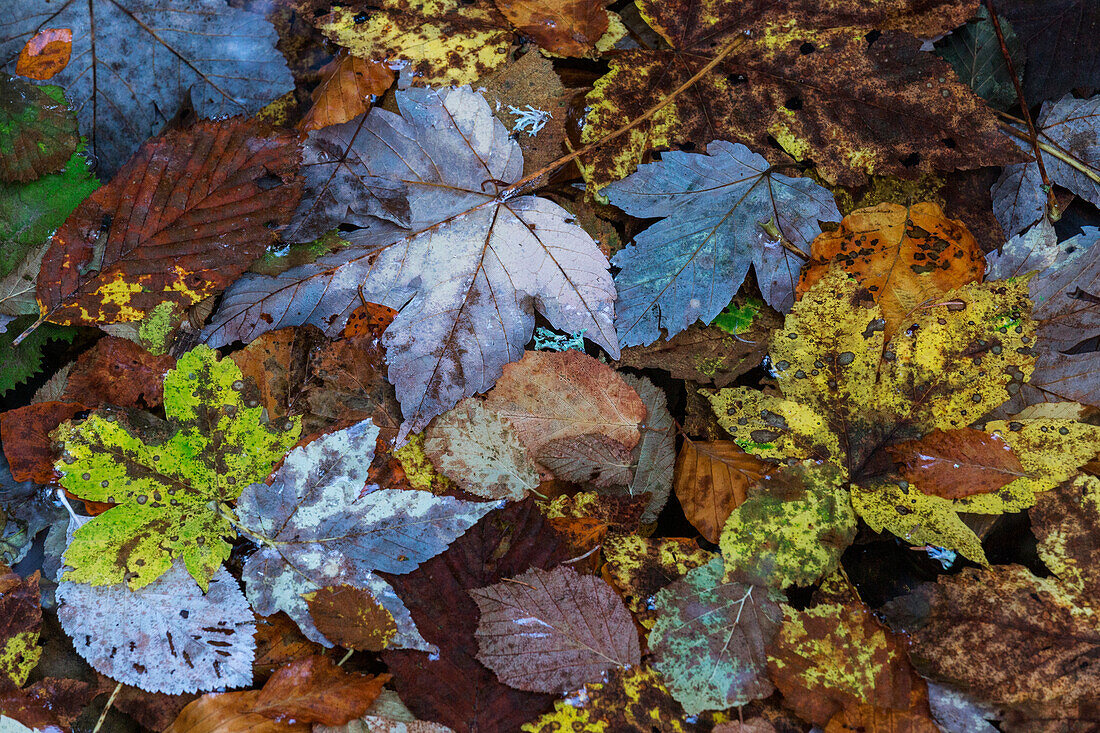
[1067, 279]
[720, 213]
[712, 479]
[710, 636]
[535, 632]
[168, 477]
[1072, 126]
[822, 80]
[169, 636]
[19, 631]
[466, 275]
[182, 219]
[37, 130]
[320, 524]
[134, 61]
[907, 256]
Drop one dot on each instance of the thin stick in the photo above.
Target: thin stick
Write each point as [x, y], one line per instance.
[732, 46]
[107, 707]
[1055, 151]
[1033, 135]
[346, 658]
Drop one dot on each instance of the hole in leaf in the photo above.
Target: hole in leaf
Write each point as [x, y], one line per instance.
[872, 37]
[911, 160]
[806, 48]
[794, 103]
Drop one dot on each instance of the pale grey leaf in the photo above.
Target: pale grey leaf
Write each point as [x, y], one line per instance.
[655, 454]
[714, 209]
[1018, 198]
[134, 62]
[467, 274]
[167, 637]
[17, 287]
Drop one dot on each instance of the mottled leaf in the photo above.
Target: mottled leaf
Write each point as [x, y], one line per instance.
[118, 372]
[563, 27]
[640, 566]
[712, 479]
[1066, 521]
[169, 636]
[37, 131]
[710, 636]
[351, 617]
[21, 617]
[45, 54]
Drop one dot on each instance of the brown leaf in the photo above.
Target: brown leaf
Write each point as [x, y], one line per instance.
[639, 567]
[20, 619]
[563, 27]
[229, 712]
[1066, 521]
[117, 371]
[351, 617]
[315, 690]
[180, 221]
[278, 643]
[45, 54]
[864, 718]
[369, 319]
[38, 135]
[345, 91]
[957, 463]
[712, 479]
[154, 710]
[588, 459]
[547, 396]
[906, 256]
[49, 704]
[706, 354]
[25, 432]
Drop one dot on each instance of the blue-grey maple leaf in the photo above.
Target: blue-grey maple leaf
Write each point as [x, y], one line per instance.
[467, 273]
[134, 62]
[716, 212]
[1071, 124]
[321, 524]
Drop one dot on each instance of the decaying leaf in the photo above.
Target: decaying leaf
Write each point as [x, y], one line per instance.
[974, 52]
[713, 479]
[710, 637]
[591, 459]
[957, 463]
[229, 712]
[152, 236]
[1066, 520]
[37, 131]
[345, 92]
[351, 617]
[45, 54]
[315, 690]
[169, 636]
[119, 372]
[134, 61]
[168, 478]
[639, 567]
[654, 457]
[321, 524]
[20, 619]
[27, 443]
[565, 27]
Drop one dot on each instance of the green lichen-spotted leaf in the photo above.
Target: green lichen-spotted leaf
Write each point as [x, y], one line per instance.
[1050, 451]
[710, 637]
[168, 477]
[916, 517]
[793, 531]
[320, 524]
[479, 451]
[773, 427]
[37, 130]
[20, 363]
[20, 619]
[641, 566]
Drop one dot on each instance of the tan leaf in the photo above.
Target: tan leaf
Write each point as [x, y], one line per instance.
[588, 459]
[346, 90]
[229, 712]
[712, 479]
[957, 463]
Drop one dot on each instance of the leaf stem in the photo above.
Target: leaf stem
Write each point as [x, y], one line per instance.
[227, 511]
[107, 708]
[30, 329]
[1053, 208]
[730, 47]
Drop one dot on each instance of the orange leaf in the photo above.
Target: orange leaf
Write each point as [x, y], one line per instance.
[905, 256]
[346, 91]
[369, 319]
[229, 712]
[315, 690]
[46, 54]
[565, 27]
[117, 371]
[712, 479]
[957, 463]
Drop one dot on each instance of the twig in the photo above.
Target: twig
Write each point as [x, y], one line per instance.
[732, 46]
[1053, 209]
[1063, 155]
[346, 658]
[107, 708]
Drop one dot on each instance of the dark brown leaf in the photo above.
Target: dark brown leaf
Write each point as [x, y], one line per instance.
[351, 617]
[117, 371]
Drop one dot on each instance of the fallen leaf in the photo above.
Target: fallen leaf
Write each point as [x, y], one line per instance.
[1065, 521]
[1055, 36]
[149, 237]
[957, 463]
[720, 213]
[705, 354]
[712, 479]
[315, 690]
[908, 257]
[169, 636]
[564, 27]
[133, 61]
[591, 459]
[49, 704]
[229, 712]
[346, 91]
[26, 437]
[710, 637]
[974, 52]
[19, 630]
[46, 54]
[38, 133]
[639, 567]
[351, 617]
[654, 457]
[278, 643]
[535, 631]
[118, 372]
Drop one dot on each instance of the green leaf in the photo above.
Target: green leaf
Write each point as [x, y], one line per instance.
[737, 319]
[781, 537]
[168, 478]
[20, 363]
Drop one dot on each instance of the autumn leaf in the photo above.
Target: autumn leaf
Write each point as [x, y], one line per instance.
[712, 479]
[229, 712]
[534, 630]
[470, 268]
[345, 92]
[639, 567]
[168, 477]
[1065, 521]
[351, 617]
[957, 463]
[974, 52]
[710, 636]
[133, 61]
[654, 457]
[117, 371]
[45, 54]
[565, 27]
[37, 130]
[19, 630]
[1055, 36]
[316, 690]
[169, 636]
[720, 213]
[26, 435]
[151, 236]
[908, 257]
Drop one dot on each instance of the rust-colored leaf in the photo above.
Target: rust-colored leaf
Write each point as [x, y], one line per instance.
[25, 432]
[565, 27]
[229, 712]
[20, 619]
[48, 705]
[117, 371]
[712, 479]
[351, 617]
[278, 643]
[315, 690]
[906, 256]
[181, 221]
[369, 319]
[45, 54]
[957, 463]
[346, 90]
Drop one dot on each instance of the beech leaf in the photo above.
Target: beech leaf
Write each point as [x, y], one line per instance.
[713, 479]
[957, 463]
